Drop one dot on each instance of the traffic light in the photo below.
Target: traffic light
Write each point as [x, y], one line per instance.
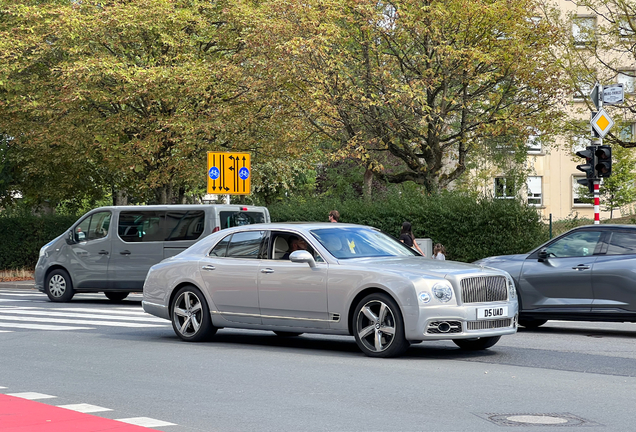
[603, 161]
[590, 161]
[588, 167]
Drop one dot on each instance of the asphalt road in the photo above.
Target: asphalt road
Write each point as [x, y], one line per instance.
[93, 351]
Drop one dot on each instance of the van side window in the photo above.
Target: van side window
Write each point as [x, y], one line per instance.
[239, 218]
[220, 250]
[142, 226]
[248, 244]
[184, 225]
[93, 227]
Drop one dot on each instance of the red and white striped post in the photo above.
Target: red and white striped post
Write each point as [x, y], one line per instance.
[597, 202]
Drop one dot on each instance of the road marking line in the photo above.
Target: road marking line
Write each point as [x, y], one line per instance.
[42, 327]
[85, 322]
[85, 408]
[146, 422]
[31, 395]
[12, 300]
[44, 312]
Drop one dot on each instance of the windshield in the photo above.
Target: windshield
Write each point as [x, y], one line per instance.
[344, 243]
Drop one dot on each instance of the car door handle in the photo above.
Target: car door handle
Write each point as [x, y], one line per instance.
[208, 267]
[125, 252]
[581, 267]
[103, 252]
[267, 270]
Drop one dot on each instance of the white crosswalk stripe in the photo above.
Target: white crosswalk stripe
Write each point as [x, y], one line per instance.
[54, 317]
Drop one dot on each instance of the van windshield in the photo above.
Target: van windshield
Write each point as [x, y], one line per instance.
[239, 218]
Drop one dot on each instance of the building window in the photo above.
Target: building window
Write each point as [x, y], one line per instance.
[583, 90]
[626, 133]
[577, 199]
[535, 197]
[504, 188]
[580, 143]
[583, 30]
[627, 79]
[625, 29]
[534, 143]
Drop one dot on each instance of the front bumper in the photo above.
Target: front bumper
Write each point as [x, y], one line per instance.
[461, 322]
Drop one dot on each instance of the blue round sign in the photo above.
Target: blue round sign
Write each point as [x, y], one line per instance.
[214, 173]
[244, 173]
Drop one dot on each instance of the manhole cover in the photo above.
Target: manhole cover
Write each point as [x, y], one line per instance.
[537, 419]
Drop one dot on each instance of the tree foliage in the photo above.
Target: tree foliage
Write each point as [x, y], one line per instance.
[129, 96]
[428, 82]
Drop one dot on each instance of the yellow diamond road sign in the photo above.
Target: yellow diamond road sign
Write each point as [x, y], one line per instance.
[602, 122]
[229, 173]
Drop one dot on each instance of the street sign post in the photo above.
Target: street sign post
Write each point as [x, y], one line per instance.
[229, 173]
[613, 94]
[595, 95]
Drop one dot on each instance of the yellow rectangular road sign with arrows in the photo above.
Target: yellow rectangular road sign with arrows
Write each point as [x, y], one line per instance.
[229, 173]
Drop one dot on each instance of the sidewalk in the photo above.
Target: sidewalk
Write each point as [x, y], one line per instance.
[27, 284]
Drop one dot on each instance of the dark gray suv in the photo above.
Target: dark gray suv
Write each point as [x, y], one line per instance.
[586, 274]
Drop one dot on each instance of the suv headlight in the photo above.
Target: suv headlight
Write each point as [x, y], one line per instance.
[443, 291]
[512, 292]
[43, 250]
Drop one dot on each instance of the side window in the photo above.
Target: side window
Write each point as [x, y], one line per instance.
[246, 244]
[577, 244]
[142, 226]
[622, 243]
[230, 219]
[285, 243]
[184, 225]
[93, 227]
[220, 250]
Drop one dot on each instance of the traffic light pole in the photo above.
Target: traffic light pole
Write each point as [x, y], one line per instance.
[597, 202]
[597, 141]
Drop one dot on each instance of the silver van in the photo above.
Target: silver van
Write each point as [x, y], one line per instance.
[110, 249]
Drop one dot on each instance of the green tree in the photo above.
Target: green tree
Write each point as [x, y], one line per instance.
[127, 97]
[427, 81]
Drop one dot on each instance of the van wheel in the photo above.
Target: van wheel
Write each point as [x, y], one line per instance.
[58, 286]
[477, 344]
[191, 315]
[116, 296]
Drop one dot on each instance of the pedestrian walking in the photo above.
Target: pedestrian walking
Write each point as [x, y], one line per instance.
[439, 252]
[407, 237]
[334, 216]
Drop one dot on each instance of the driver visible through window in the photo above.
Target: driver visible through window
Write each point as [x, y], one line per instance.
[578, 244]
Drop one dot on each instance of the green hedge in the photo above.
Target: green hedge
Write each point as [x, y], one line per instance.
[470, 228]
[21, 238]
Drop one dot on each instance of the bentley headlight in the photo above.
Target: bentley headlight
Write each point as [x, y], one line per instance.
[443, 291]
[512, 292]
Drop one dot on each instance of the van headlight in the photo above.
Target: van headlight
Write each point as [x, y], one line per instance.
[443, 291]
[512, 292]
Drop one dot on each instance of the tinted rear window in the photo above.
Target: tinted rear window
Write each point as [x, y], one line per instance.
[153, 226]
[239, 218]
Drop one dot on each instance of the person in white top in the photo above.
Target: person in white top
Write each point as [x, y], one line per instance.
[439, 252]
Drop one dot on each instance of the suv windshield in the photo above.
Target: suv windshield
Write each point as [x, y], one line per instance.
[344, 243]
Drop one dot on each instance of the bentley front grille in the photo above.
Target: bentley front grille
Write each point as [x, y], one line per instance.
[489, 324]
[484, 289]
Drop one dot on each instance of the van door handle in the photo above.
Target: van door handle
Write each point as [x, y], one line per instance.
[125, 252]
[103, 252]
[581, 267]
[267, 270]
[208, 267]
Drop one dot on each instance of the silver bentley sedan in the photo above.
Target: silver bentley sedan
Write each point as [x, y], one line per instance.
[343, 279]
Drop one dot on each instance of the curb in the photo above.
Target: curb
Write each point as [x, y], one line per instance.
[27, 284]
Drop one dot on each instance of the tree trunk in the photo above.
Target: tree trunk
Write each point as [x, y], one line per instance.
[120, 197]
[368, 182]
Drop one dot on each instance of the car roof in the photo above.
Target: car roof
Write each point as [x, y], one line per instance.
[304, 226]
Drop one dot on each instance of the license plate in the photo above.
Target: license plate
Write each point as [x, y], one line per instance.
[492, 312]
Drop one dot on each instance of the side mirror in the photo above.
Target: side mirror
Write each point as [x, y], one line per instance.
[543, 255]
[69, 239]
[301, 256]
